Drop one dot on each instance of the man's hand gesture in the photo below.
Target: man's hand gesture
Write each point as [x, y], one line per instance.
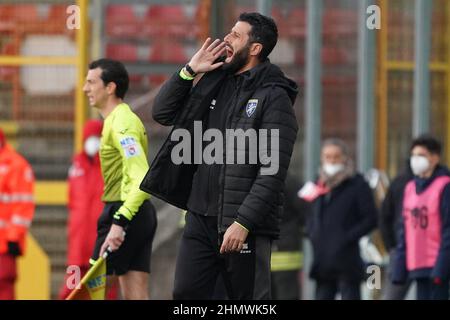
[203, 60]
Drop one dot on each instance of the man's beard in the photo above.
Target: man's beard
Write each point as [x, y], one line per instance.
[239, 60]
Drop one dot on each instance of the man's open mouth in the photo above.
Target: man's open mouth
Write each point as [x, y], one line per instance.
[230, 53]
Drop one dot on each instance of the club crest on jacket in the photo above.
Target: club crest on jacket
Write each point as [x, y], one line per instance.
[251, 107]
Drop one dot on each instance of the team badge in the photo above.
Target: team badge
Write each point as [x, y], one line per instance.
[251, 107]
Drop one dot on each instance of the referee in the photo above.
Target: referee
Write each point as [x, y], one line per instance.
[128, 222]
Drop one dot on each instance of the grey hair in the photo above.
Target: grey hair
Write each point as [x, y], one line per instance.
[338, 143]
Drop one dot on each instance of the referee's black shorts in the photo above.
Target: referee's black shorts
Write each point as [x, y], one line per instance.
[135, 252]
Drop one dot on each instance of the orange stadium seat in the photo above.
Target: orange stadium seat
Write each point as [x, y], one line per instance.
[167, 13]
[122, 52]
[167, 20]
[121, 21]
[296, 23]
[6, 73]
[168, 52]
[157, 79]
[5, 12]
[25, 12]
[121, 12]
[57, 12]
[18, 13]
[330, 56]
[340, 22]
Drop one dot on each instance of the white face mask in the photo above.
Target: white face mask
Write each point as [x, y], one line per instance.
[92, 145]
[331, 169]
[419, 164]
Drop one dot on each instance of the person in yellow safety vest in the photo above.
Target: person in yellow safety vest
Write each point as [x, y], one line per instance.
[16, 213]
[287, 255]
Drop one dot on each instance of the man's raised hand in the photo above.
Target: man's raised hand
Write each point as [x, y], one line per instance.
[203, 60]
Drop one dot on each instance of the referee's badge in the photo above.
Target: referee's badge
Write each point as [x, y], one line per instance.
[251, 107]
[130, 147]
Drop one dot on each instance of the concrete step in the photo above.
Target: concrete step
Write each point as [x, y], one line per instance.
[50, 214]
[49, 229]
[49, 148]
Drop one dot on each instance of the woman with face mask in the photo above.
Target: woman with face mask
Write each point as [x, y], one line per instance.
[422, 254]
[85, 204]
[342, 212]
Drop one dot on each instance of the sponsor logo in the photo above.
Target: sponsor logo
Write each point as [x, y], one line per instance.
[130, 147]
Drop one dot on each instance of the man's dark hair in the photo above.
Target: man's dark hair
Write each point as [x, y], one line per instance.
[428, 142]
[113, 71]
[264, 31]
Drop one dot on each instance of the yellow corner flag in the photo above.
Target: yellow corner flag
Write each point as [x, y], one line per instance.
[93, 284]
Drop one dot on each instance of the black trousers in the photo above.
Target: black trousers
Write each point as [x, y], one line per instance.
[286, 285]
[426, 290]
[327, 289]
[245, 274]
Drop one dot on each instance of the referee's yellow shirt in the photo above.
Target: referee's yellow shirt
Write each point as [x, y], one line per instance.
[123, 157]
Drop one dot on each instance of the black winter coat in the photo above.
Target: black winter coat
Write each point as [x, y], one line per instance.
[391, 209]
[338, 220]
[246, 196]
[293, 218]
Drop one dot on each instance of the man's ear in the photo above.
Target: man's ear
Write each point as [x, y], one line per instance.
[255, 49]
[111, 88]
[435, 158]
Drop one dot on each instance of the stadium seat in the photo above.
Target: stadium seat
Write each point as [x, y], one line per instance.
[18, 13]
[121, 21]
[333, 56]
[340, 22]
[330, 56]
[167, 13]
[168, 20]
[296, 23]
[157, 79]
[57, 12]
[25, 12]
[122, 52]
[120, 12]
[5, 12]
[6, 73]
[168, 52]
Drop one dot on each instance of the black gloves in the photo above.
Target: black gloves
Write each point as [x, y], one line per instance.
[13, 248]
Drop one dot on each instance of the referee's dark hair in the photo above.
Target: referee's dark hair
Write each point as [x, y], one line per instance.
[113, 71]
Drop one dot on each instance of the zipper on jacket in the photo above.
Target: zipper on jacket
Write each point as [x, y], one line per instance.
[223, 171]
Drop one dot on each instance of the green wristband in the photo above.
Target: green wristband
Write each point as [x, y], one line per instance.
[184, 76]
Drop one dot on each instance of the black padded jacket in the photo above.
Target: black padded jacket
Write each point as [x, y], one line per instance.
[253, 199]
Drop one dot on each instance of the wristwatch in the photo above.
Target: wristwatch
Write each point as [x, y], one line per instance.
[189, 69]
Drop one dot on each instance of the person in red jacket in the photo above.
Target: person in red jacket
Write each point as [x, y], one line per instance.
[85, 205]
[16, 213]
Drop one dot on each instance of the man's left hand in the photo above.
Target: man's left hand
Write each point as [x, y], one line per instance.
[114, 239]
[234, 239]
